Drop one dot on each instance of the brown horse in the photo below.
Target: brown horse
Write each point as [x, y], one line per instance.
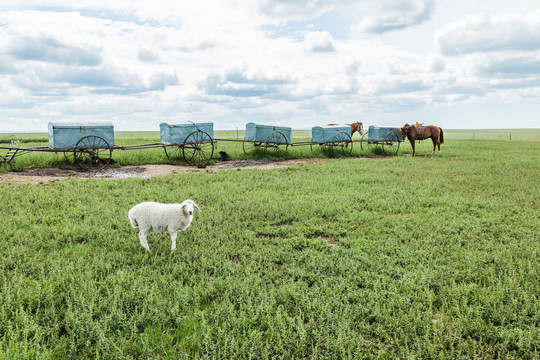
[414, 133]
[356, 126]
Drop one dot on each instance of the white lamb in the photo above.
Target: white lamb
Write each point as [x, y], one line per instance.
[151, 217]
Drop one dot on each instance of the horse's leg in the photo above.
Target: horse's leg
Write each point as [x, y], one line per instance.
[434, 143]
[412, 145]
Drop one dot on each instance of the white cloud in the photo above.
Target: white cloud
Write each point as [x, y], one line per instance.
[147, 55]
[513, 66]
[50, 49]
[394, 15]
[244, 81]
[403, 85]
[320, 41]
[483, 33]
[146, 62]
[403, 103]
[286, 9]
[436, 63]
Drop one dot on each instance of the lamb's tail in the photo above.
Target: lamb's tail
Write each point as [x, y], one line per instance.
[441, 137]
[132, 221]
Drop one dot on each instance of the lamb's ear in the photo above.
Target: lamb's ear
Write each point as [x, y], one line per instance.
[196, 207]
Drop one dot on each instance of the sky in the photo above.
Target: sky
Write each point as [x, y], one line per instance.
[458, 64]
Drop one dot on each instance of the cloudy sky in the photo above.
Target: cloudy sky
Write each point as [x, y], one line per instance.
[301, 63]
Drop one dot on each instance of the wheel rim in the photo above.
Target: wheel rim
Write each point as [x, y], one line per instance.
[390, 144]
[364, 143]
[198, 148]
[70, 156]
[250, 147]
[275, 146]
[92, 153]
[172, 151]
[341, 144]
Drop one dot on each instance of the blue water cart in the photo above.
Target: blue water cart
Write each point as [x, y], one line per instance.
[88, 144]
[330, 134]
[64, 135]
[273, 139]
[387, 137]
[194, 140]
[381, 133]
[177, 134]
[256, 132]
[336, 139]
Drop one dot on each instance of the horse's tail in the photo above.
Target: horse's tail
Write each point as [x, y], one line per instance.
[441, 137]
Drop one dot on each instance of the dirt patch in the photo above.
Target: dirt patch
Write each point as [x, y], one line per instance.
[284, 224]
[42, 175]
[330, 240]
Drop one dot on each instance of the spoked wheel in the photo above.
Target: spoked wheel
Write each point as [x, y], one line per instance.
[341, 144]
[92, 153]
[69, 156]
[251, 147]
[390, 143]
[198, 148]
[275, 146]
[172, 151]
[364, 142]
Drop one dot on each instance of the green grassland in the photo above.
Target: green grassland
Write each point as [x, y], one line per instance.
[459, 139]
[368, 257]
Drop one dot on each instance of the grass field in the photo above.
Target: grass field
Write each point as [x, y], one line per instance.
[375, 257]
[458, 138]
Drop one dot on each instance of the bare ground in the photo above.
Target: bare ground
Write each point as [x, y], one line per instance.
[42, 175]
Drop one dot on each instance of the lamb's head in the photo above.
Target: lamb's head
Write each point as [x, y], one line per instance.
[188, 206]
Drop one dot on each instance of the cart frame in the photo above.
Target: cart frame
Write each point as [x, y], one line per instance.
[93, 153]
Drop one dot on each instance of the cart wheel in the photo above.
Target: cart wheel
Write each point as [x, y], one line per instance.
[275, 146]
[390, 143]
[69, 156]
[250, 147]
[198, 148]
[341, 144]
[365, 144]
[172, 151]
[92, 153]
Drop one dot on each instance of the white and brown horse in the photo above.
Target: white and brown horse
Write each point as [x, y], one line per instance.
[432, 132]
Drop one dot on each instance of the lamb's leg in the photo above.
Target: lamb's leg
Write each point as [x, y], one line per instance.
[173, 239]
[142, 238]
